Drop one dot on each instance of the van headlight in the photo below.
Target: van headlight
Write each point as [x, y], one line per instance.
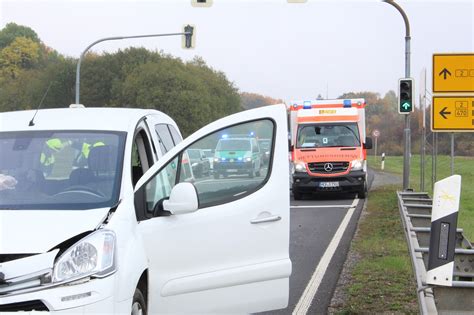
[300, 167]
[357, 165]
[94, 255]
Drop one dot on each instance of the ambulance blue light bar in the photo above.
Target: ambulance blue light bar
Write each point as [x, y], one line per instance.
[347, 103]
[307, 105]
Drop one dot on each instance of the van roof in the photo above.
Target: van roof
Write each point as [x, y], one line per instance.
[100, 118]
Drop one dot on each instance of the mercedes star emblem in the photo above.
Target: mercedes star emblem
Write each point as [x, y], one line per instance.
[328, 167]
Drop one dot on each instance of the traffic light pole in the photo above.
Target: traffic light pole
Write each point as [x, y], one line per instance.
[78, 69]
[406, 131]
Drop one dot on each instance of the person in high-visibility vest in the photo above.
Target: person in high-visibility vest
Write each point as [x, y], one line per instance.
[47, 157]
[81, 160]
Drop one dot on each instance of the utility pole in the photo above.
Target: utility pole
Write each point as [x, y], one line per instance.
[407, 131]
[78, 69]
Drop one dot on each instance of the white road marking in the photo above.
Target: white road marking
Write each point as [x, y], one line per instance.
[322, 206]
[307, 297]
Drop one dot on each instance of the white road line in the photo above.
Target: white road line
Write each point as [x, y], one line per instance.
[323, 206]
[307, 297]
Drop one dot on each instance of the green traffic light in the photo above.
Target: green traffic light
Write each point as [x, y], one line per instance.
[405, 96]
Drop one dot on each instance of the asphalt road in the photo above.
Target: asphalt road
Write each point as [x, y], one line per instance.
[320, 235]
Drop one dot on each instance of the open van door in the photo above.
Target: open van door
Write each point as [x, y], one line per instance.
[219, 245]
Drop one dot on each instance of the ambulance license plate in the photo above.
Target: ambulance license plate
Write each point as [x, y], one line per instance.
[328, 184]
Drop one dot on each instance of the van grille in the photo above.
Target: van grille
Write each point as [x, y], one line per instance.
[27, 306]
[328, 167]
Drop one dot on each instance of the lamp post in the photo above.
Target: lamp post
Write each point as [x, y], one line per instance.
[187, 33]
[407, 131]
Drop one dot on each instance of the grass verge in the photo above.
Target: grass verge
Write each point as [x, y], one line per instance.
[382, 279]
[463, 166]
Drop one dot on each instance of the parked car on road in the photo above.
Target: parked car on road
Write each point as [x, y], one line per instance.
[199, 162]
[265, 146]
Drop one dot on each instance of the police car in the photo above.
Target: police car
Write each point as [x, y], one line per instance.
[235, 154]
[101, 213]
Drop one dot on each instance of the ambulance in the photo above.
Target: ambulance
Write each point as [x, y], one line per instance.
[328, 146]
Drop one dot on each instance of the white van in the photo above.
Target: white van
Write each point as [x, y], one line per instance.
[100, 213]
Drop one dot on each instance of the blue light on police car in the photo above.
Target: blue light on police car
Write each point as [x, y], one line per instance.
[306, 104]
[347, 103]
[239, 158]
[225, 136]
[252, 134]
[223, 159]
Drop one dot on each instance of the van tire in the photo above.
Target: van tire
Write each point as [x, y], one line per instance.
[138, 303]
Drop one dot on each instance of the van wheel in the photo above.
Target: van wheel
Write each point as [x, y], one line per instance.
[138, 304]
[362, 194]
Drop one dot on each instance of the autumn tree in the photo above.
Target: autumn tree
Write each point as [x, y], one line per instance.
[254, 100]
[11, 31]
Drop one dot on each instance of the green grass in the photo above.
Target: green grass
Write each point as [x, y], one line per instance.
[463, 166]
[382, 279]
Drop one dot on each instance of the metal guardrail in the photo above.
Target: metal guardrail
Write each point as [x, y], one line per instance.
[415, 212]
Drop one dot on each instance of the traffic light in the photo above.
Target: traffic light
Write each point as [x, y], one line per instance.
[189, 36]
[405, 95]
[201, 3]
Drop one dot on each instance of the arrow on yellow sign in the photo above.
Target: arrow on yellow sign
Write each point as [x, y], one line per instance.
[443, 113]
[445, 72]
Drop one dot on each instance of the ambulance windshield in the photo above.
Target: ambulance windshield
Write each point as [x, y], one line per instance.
[328, 135]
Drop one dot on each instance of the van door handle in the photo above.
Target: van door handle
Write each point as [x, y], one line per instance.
[272, 218]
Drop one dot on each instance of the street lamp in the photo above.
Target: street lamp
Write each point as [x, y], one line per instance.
[407, 131]
[188, 33]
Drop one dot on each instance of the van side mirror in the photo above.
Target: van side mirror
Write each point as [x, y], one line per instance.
[291, 147]
[158, 210]
[183, 199]
[368, 143]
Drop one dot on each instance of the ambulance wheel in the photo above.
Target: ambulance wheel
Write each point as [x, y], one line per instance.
[297, 195]
[362, 194]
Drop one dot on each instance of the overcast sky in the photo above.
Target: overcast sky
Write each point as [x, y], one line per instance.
[288, 51]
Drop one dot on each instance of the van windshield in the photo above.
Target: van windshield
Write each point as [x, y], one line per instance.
[60, 170]
[328, 135]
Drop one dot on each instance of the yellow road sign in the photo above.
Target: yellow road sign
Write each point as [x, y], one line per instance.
[453, 73]
[452, 114]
